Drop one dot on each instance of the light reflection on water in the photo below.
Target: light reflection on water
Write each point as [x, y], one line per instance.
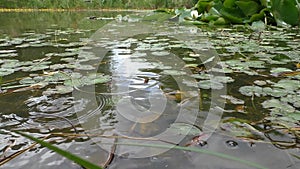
[130, 63]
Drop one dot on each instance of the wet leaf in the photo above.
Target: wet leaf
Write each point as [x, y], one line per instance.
[251, 91]
[208, 84]
[64, 89]
[173, 72]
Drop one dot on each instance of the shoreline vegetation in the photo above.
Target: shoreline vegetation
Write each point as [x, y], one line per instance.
[70, 10]
[61, 5]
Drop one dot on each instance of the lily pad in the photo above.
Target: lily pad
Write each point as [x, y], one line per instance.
[6, 71]
[208, 84]
[161, 53]
[289, 85]
[173, 72]
[61, 89]
[251, 91]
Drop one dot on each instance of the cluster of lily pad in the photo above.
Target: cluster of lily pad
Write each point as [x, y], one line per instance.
[45, 71]
[271, 67]
[280, 12]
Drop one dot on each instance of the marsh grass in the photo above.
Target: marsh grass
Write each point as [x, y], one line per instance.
[96, 4]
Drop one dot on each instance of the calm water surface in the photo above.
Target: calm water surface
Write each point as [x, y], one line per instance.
[120, 74]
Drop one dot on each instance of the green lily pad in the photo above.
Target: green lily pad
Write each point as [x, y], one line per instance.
[61, 89]
[27, 80]
[278, 106]
[6, 71]
[251, 91]
[280, 70]
[275, 92]
[173, 72]
[289, 85]
[161, 53]
[189, 59]
[208, 84]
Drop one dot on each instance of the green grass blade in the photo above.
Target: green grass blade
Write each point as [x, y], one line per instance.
[197, 150]
[68, 155]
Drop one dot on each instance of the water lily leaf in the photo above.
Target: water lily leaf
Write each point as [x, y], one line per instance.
[4, 52]
[6, 71]
[251, 90]
[189, 59]
[202, 76]
[84, 67]
[61, 89]
[286, 12]
[276, 92]
[248, 7]
[36, 67]
[223, 79]
[173, 72]
[161, 53]
[232, 15]
[27, 80]
[229, 3]
[208, 84]
[57, 66]
[70, 60]
[278, 106]
[11, 64]
[260, 82]
[289, 85]
[279, 70]
[292, 99]
[49, 92]
[295, 116]
[56, 77]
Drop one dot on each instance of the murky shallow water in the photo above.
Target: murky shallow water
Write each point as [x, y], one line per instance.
[139, 79]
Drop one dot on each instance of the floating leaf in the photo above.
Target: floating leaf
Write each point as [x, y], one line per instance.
[251, 91]
[6, 71]
[208, 84]
[286, 12]
[64, 89]
[289, 85]
[189, 59]
[281, 107]
[173, 72]
[161, 53]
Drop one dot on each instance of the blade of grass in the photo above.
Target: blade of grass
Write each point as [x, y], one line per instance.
[216, 154]
[68, 155]
[294, 155]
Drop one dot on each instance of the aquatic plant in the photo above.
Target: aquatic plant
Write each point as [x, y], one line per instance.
[279, 12]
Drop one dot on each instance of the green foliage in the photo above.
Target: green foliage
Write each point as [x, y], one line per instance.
[67, 4]
[286, 11]
[280, 12]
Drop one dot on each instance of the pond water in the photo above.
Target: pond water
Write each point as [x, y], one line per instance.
[87, 80]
